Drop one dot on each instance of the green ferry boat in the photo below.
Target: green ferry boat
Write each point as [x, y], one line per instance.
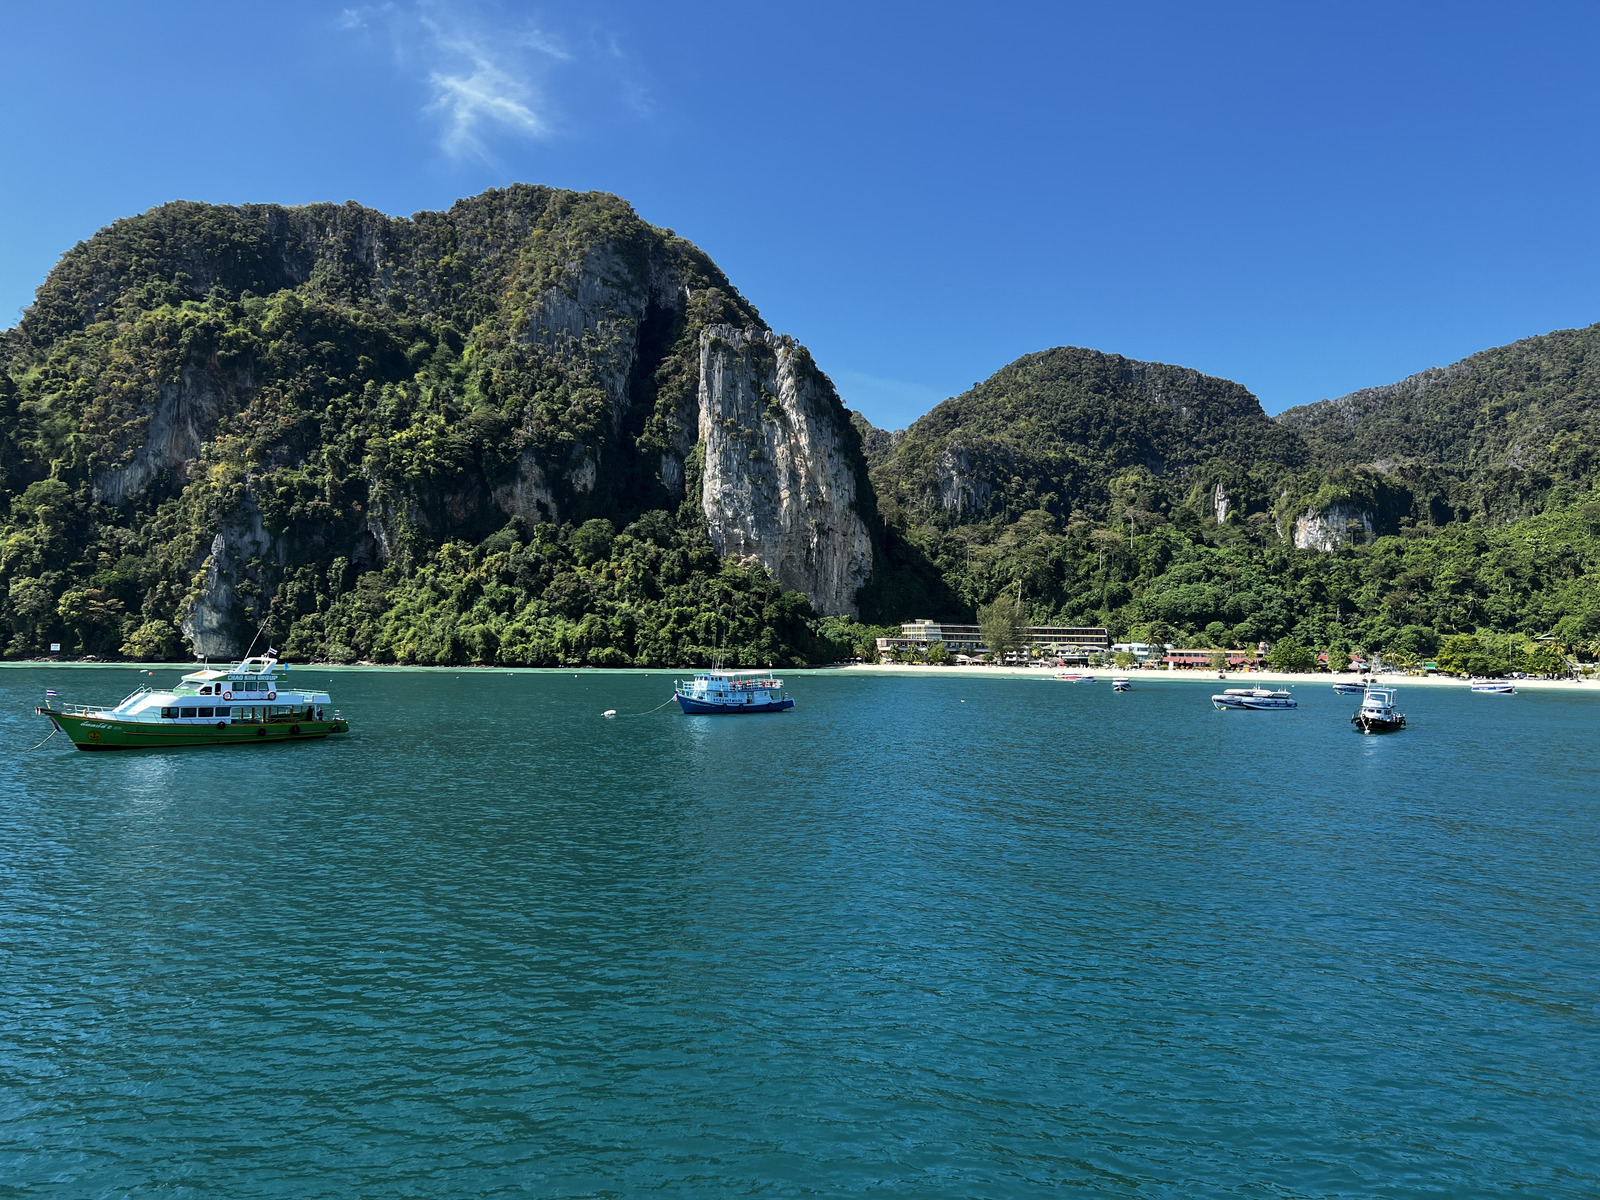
[248, 704]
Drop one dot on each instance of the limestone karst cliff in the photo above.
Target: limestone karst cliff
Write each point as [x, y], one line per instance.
[779, 478]
[258, 411]
[534, 429]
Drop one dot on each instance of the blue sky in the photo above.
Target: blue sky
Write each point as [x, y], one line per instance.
[1307, 199]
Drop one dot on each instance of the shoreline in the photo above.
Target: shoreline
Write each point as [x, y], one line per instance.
[1233, 678]
[906, 670]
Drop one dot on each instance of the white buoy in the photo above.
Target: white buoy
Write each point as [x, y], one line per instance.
[610, 712]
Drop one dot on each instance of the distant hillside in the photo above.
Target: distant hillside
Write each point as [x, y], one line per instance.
[1054, 429]
[1511, 423]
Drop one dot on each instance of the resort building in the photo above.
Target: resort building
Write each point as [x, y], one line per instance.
[1065, 642]
[1141, 651]
[1176, 659]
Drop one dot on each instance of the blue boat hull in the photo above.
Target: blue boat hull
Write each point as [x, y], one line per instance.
[702, 708]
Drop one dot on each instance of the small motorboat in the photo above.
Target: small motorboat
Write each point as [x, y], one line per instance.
[1260, 698]
[1074, 677]
[1120, 685]
[1494, 687]
[1350, 689]
[1377, 713]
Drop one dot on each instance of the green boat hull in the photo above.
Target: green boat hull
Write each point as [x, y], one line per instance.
[99, 733]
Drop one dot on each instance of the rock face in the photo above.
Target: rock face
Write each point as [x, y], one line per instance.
[212, 617]
[961, 489]
[1220, 504]
[1339, 526]
[185, 416]
[778, 485]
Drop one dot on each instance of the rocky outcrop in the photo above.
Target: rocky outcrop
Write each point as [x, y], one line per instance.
[527, 494]
[778, 485]
[214, 620]
[184, 418]
[595, 318]
[1220, 504]
[1340, 525]
[958, 487]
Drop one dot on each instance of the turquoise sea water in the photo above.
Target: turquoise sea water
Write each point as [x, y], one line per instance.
[918, 937]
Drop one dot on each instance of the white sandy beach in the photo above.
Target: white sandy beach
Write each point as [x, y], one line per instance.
[1233, 678]
[1042, 674]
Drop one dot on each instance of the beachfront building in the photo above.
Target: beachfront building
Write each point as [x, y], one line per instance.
[1066, 643]
[1176, 659]
[1142, 651]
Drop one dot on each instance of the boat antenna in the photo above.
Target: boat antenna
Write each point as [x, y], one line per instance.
[260, 629]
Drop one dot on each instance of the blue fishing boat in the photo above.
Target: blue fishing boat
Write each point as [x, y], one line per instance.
[714, 692]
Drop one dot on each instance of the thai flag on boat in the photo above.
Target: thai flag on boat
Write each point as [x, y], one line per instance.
[49, 692]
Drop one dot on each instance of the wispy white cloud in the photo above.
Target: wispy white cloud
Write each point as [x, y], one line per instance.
[487, 75]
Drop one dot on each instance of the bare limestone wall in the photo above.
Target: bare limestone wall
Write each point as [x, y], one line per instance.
[1341, 524]
[777, 484]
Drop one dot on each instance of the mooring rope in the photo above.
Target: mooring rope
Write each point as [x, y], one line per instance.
[53, 732]
[656, 709]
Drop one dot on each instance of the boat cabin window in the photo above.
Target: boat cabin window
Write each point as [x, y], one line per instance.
[168, 713]
[186, 712]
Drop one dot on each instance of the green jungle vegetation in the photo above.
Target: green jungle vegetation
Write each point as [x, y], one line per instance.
[1507, 431]
[343, 366]
[1094, 483]
[348, 391]
[1171, 574]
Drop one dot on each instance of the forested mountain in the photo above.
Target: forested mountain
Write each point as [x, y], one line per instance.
[536, 430]
[1054, 430]
[530, 429]
[1164, 504]
[1510, 429]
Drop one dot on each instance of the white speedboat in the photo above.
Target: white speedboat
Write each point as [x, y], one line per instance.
[1349, 689]
[1262, 698]
[1120, 685]
[1494, 687]
[1377, 713]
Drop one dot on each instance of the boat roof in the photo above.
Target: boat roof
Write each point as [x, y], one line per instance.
[739, 674]
[249, 666]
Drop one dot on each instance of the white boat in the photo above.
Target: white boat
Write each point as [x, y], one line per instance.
[1377, 713]
[1074, 677]
[251, 702]
[1349, 689]
[1495, 687]
[1120, 685]
[713, 692]
[1261, 698]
